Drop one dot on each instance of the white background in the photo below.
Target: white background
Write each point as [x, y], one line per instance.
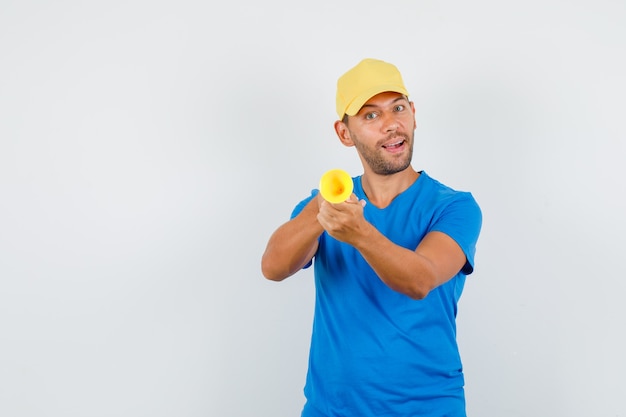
[149, 148]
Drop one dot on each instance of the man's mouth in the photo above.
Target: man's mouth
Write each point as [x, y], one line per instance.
[394, 145]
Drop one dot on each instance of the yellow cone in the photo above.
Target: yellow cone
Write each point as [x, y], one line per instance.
[336, 186]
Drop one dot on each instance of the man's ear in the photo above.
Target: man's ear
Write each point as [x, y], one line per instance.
[343, 133]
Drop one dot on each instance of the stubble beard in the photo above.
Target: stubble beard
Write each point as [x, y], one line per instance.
[380, 163]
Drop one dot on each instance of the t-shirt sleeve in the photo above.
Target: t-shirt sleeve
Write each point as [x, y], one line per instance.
[461, 219]
[299, 207]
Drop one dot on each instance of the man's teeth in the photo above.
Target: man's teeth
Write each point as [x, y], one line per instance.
[394, 145]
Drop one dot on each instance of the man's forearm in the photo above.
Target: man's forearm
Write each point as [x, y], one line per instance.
[292, 245]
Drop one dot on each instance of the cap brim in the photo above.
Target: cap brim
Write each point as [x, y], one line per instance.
[361, 99]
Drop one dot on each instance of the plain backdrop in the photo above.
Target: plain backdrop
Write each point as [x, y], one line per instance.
[148, 149]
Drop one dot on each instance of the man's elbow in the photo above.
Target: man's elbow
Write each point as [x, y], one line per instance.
[270, 270]
[417, 293]
[420, 290]
[420, 286]
[272, 276]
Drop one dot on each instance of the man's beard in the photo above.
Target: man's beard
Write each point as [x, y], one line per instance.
[375, 158]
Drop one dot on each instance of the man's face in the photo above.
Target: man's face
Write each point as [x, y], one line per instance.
[383, 133]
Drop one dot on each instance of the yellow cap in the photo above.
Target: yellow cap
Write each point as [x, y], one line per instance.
[368, 78]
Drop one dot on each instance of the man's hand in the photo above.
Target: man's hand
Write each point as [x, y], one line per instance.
[344, 221]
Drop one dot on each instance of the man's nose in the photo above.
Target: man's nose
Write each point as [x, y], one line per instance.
[390, 123]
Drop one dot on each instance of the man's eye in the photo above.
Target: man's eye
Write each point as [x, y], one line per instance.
[400, 107]
[370, 116]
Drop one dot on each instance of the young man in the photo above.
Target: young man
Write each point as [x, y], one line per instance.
[390, 266]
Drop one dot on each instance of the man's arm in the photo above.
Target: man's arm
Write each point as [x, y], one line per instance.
[414, 273]
[293, 244]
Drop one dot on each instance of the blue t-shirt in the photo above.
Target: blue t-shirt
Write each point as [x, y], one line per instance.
[375, 351]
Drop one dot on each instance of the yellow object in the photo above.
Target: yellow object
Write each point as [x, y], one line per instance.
[336, 186]
[368, 78]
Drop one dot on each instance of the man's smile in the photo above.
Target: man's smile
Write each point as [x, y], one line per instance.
[395, 145]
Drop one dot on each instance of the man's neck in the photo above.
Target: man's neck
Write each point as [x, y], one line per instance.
[382, 189]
